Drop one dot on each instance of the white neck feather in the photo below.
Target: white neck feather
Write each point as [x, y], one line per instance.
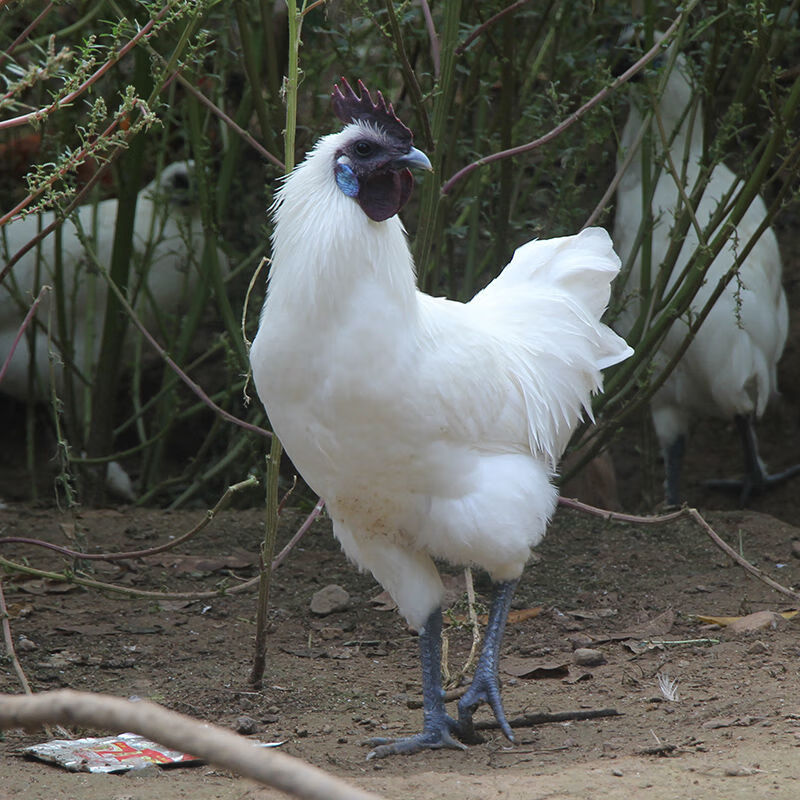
[323, 243]
[675, 110]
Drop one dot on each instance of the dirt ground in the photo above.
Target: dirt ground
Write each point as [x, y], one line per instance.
[630, 591]
[332, 682]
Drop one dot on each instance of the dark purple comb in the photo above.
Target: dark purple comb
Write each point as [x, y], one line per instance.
[350, 107]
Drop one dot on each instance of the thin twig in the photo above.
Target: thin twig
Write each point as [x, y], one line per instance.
[481, 29]
[576, 115]
[128, 591]
[692, 513]
[193, 386]
[24, 35]
[209, 742]
[75, 160]
[209, 515]
[633, 151]
[265, 558]
[448, 696]
[61, 577]
[301, 531]
[529, 720]
[25, 322]
[61, 102]
[436, 49]
[11, 653]
[410, 77]
[215, 109]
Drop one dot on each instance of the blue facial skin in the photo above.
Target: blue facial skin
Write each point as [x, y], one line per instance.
[346, 179]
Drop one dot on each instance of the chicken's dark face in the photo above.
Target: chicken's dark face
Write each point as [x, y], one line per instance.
[372, 165]
[373, 169]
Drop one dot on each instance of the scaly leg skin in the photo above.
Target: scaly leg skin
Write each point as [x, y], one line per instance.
[437, 727]
[756, 479]
[485, 687]
[673, 461]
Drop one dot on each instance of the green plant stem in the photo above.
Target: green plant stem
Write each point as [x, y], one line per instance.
[408, 74]
[267, 554]
[252, 66]
[295, 19]
[431, 211]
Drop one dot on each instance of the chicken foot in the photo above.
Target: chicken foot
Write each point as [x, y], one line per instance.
[756, 479]
[485, 686]
[438, 727]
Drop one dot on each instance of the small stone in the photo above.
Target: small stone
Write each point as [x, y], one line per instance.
[578, 640]
[796, 548]
[758, 647]
[326, 729]
[273, 710]
[246, 725]
[301, 733]
[588, 657]
[270, 719]
[146, 771]
[740, 771]
[617, 773]
[25, 645]
[332, 598]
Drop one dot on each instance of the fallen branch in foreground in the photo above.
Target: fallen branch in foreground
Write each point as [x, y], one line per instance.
[530, 720]
[210, 742]
[693, 514]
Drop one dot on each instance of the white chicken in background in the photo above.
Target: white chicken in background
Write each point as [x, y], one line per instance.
[167, 239]
[729, 370]
[432, 428]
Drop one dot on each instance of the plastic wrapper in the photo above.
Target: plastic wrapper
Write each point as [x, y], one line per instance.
[108, 754]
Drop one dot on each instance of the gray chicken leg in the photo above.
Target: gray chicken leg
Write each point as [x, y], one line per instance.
[438, 727]
[485, 687]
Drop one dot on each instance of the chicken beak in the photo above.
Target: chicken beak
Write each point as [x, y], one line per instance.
[414, 159]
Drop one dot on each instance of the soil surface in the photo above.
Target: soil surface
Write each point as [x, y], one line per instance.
[628, 591]
[633, 592]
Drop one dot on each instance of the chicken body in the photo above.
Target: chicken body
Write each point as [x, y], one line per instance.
[167, 236]
[729, 370]
[431, 428]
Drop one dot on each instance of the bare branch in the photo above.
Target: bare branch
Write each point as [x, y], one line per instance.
[212, 743]
[61, 102]
[692, 513]
[22, 328]
[488, 24]
[436, 48]
[577, 115]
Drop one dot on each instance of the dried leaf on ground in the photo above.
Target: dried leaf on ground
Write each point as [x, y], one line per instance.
[598, 613]
[42, 586]
[383, 602]
[100, 629]
[185, 564]
[534, 668]
[762, 618]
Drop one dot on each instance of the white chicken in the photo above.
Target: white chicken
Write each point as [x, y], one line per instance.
[167, 236]
[729, 370]
[432, 428]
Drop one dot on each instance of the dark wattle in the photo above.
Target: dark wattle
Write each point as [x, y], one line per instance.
[383, 194]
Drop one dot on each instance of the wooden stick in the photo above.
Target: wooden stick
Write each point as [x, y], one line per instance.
[530, 720]
[210, 742]
[693, 514]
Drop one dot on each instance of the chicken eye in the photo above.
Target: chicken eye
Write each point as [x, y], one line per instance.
[363, 149]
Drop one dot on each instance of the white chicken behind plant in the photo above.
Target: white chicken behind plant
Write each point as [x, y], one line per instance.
[729, 370]
[432, 428]
[167, 244]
